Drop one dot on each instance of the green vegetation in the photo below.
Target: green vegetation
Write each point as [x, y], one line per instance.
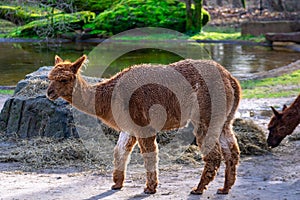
[93, 5]
[25, 14]
[213, 33]
[282, 86]
[9, 92]
[154, 37]
[129, 14]
[50, 18]
[53, 25]
[6, 27]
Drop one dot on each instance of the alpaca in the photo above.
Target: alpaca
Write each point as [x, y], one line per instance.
[144, 101]
[283, 123]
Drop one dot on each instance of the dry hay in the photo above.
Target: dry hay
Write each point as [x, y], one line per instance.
[251, 138]
[48, 153]
[34, 88]
[294, 136]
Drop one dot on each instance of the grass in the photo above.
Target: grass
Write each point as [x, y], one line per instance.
[209, 33]
[225, 33]
[9, 92]
[150, 36]
[282, 86]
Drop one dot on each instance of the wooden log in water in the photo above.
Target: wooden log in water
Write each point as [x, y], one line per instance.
[283, 37]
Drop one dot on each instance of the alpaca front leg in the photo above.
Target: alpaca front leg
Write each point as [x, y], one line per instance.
[149, 152]
[121, 157]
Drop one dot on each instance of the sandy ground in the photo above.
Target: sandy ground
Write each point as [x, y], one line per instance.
[275, 175]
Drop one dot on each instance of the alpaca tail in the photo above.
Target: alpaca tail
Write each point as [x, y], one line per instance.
[237, 96]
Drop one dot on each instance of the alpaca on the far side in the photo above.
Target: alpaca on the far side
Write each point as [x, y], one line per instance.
[283, 123]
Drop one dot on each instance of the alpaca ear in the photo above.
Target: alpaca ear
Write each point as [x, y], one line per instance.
[78, 63]
[276, 113]
[284, 107]
[57, 60]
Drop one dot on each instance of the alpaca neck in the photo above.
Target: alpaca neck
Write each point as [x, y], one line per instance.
[296, 107]
[83, 97]
[94, 100]
[294, 111]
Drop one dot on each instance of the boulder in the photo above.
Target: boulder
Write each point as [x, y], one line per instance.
[29, 113]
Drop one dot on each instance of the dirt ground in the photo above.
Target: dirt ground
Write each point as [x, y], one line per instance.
[274, 175]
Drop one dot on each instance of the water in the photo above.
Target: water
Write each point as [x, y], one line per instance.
[19, 59]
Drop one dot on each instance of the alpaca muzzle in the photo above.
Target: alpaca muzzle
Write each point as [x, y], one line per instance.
[51, 95]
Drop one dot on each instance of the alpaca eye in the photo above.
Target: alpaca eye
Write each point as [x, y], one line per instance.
[63, 81]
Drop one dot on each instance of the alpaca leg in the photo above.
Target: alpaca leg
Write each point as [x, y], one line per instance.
[231, 154]
[212, 163]
[149, 152]
[121, 154]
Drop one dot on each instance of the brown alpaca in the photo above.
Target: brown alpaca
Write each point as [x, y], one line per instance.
[283, 123]
[182, 100]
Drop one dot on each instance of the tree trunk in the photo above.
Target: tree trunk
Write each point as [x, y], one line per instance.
[189, 16]
[198, 15]
[243, 3]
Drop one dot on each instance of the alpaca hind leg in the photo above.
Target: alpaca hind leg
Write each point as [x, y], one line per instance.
[231, 154]
[149, 152]
[212, 163]
[121, 156]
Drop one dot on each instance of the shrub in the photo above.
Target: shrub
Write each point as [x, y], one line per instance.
[129, 14]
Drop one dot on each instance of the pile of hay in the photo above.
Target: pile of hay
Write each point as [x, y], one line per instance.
[49, 153]
[251, 138]
[45, 153]
[34, 88]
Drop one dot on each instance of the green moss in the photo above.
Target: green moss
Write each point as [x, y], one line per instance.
[285, 85]
[129, 14]
[93, 5]
[24, 14]
[55, 23]
[6, 27]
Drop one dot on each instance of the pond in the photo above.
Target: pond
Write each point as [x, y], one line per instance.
[105, 59]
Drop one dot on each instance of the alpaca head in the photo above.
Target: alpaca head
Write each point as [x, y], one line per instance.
[278, 127]
[63, 78]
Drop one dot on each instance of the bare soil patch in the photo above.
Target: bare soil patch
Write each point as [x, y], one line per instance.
[273, 175]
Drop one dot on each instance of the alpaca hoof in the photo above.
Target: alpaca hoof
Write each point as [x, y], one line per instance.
[196, 191]
[149, 191]
[116, 187]
[223, 191]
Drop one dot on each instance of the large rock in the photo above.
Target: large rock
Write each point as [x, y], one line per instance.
[29, 113]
